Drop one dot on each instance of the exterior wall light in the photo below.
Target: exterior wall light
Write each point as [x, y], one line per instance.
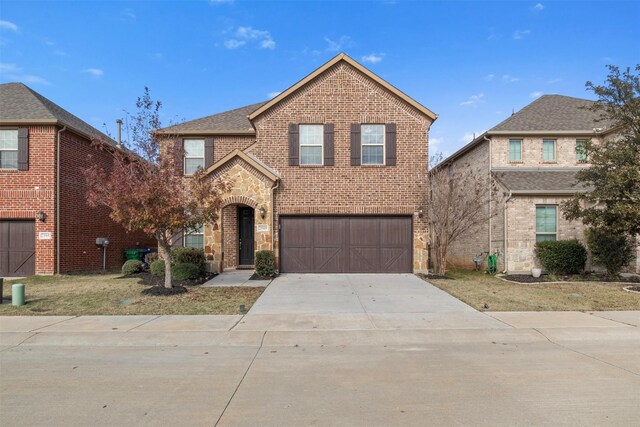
[420, 212]
[263, 212]
[41, 216]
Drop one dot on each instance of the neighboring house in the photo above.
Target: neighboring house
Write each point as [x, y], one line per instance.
[331, 174]
[531, 160]
[43, 190]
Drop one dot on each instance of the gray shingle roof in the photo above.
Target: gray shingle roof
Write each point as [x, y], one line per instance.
[20, 104]
[539, 181]
[228, 121]
[553, 113]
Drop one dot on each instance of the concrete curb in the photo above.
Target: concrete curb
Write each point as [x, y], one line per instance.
[595, 282]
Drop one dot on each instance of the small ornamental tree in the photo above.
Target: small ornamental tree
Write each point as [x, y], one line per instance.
[143, 189]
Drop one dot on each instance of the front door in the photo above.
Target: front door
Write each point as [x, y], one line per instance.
[245, 243]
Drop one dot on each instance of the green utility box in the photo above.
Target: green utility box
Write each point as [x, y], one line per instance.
[17, 294]
[133, 254]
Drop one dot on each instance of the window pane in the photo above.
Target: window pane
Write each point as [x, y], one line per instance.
[194, 147]
[515, 150]
[372, 155]
[548, 150]
[194, 241]
[546, 219]
[581, 150]
[192, 165]
[545, 237]
[8, 160]
[311, 134]
[8, 139]
[372, 134]
[311, 155]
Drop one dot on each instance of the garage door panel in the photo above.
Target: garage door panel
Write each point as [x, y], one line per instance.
[346, 244]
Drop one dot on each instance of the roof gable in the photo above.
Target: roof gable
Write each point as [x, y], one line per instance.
[347, 59]
[247, 158]
[228, 122]
[20, 104]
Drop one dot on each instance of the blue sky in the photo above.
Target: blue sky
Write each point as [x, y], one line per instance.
[470, 62]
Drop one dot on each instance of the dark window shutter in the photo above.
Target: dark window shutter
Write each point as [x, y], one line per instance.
[390, 144]
[23, 149]
[178, 156]
[208, 152]
[355, 144]
[328, 144]
[294, 145]
[178, 239]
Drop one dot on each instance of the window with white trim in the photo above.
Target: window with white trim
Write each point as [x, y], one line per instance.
[193, 155]
[549, 150]
[546, 222]
[515, 150]
[581, 150]
[311, 140]
[194, 238]
[372, 138]
[8, 149]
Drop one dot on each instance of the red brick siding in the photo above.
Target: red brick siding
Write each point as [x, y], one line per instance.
[230, 235]
[24, 193]
[81, 224]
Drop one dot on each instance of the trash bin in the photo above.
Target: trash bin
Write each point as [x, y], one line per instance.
[133, 254]
[492, 264]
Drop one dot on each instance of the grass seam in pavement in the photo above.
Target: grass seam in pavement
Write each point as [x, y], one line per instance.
[241, 380]
[586, 355]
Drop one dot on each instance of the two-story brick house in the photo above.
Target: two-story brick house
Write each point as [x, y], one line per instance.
[331, 174]
[46, 225]
[529, 162]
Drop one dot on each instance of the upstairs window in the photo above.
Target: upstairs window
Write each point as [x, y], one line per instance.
[9, 149]
[193, 155]
[549, 150]
[515, 150]
[194, 238]
[546, 223]
[372, 144]
[311, 139]
[581, 150]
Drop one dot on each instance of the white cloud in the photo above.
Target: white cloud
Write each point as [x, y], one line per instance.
[128, 13]
[538, 7]
[536, 94]
[468, 137]
[434, 142]
[552, 81]
[489, 77]
[273, 94]
[14, 72]
[338, 45]
[7, 25]
[158, 56]
[244, 35]
[94, 72]
[473, 100]
[520, 34]
[509, 78]
[373, 58]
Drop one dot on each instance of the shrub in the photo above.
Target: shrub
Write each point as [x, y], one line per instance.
[185, 270]
[132, 266]
[157, 268]
[562, 256]
[151, 257]
[610, 251]
[188, 255]
[266, 263]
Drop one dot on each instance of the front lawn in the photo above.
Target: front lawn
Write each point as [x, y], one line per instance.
[95, 294]
[477, 289]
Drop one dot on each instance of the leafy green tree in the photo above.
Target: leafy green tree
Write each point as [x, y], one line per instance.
[613, 204]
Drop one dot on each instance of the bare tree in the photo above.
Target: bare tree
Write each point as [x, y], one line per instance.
[458, 204]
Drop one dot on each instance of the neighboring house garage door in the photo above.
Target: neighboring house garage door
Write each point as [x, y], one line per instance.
[17, 248]
[345, 244]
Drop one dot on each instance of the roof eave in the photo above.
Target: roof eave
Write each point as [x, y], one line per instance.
[543, 132]
[546, 192]
[207, 132]
[357, 66]
[53, 122]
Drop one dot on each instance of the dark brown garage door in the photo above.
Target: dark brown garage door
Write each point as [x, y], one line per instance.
[17, 248]
[346, 244]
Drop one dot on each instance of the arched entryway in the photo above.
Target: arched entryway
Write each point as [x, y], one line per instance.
[238, 236]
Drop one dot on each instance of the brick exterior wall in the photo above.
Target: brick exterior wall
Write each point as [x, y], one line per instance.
[24, 193]
[223, 145]
[230, 236]
[532, 152]
[80, 224]
[342, 96]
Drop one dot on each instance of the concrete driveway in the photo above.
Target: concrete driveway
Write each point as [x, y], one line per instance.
[357, 302]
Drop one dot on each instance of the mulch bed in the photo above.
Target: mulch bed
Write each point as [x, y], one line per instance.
[156, 284]
[434, 276]
[633, 289]
[161, 291]
[255, 276]
[525, 278]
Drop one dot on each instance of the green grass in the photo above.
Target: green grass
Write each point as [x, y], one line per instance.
[111, 294]
[478, 289]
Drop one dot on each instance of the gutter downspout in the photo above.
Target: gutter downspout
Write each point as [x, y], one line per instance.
[273, 217]
[58, 200]
[506, 232]
[489, 184]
